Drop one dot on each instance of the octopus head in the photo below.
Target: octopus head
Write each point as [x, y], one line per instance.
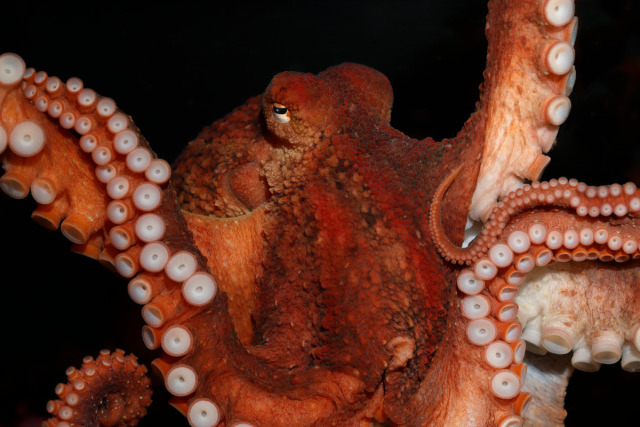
[303, 108]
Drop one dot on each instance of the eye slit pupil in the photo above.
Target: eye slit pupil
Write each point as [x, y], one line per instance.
[280, 113]
[279, 109]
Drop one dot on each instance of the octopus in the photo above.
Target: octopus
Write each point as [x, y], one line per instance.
[402, 311]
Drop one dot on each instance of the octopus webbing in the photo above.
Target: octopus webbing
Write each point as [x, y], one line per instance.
[247, 201]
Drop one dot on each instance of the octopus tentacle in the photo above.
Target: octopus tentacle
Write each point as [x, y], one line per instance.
[526, 103]
[598, 332]
[522, 235]
[488, 317]
[614, 200]
[112, 390]
[547, 379]
[481, 358]
[124, 193]
[569, 306]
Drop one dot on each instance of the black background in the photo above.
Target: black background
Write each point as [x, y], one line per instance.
[177, 67]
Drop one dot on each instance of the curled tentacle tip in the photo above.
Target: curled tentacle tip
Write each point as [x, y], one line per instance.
[115, 380]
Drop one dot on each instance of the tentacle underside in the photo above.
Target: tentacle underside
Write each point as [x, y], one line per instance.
[536, 261]
[528, 79]
[92, 174]
[547, 379]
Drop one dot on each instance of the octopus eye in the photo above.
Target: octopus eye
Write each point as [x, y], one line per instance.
[280, 113]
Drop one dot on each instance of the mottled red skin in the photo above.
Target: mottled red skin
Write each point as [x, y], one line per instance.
[345, 224]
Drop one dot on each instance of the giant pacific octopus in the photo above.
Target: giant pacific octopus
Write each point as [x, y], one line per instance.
[301, 264]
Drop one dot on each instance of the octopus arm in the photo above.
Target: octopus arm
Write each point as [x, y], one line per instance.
[547, 379]
[528, 77]
[538, 258]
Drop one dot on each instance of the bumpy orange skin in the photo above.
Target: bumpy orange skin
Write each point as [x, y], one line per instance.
[337, 251]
